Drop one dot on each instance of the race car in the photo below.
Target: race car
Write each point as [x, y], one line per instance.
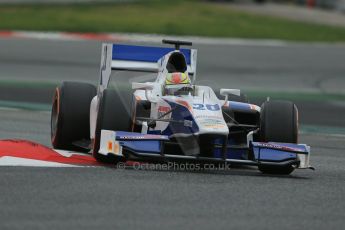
[172, 119]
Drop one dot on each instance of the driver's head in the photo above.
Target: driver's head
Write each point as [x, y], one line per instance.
[177, 78]
[177, 83]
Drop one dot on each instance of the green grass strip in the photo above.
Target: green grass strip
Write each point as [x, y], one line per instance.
[27, 84]
[311, 129]
[189, 17]
[25, 105]
[296, 96]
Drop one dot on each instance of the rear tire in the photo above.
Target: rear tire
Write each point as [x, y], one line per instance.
[70, 116]
[113, 115]
[278, 123]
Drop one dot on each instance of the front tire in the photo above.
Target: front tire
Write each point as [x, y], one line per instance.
[278, 123]
[70, 116]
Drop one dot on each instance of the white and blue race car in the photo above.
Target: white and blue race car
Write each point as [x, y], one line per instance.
[170, 119]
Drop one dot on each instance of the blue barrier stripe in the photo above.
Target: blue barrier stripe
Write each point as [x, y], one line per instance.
[144, 53]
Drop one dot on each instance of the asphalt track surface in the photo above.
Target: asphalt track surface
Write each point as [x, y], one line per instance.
[239, 198]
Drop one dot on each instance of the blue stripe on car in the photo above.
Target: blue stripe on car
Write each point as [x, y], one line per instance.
[144, 53]
[239, 105]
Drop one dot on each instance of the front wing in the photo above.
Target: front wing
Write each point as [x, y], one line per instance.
[149, 147]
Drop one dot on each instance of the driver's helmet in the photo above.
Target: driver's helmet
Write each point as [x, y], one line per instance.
[177, 83]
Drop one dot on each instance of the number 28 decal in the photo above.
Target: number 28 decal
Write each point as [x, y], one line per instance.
[210, 107]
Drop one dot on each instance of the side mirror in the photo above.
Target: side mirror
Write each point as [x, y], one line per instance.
[147, 86]
[226, 92]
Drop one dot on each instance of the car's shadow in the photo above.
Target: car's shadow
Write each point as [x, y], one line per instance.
[246, 171]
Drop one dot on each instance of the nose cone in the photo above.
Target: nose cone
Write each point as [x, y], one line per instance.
[209, 118]
[212, 126]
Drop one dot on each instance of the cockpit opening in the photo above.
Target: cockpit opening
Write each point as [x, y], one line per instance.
[177, 63]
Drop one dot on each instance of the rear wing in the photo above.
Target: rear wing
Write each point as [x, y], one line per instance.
[138, 58]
